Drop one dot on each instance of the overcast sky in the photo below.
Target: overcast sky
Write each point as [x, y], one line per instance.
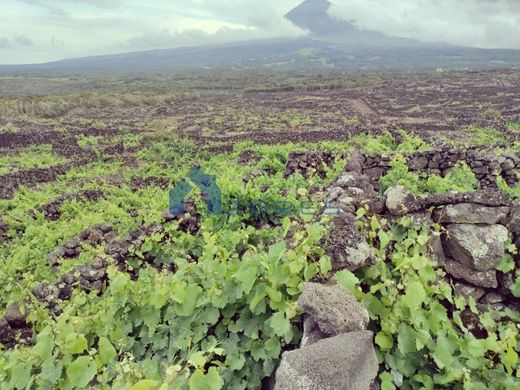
[44, 30]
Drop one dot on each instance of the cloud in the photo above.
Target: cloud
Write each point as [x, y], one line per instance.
[98, 3]
[103, 3]
[478, 23]
[4, 43]
[19, 40]
[167, 38]
[22, 40]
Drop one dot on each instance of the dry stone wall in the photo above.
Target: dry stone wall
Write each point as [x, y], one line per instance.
[486, 165]
[476, 227]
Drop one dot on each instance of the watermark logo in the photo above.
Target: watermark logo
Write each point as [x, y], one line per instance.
[207, 184]
[257, 208]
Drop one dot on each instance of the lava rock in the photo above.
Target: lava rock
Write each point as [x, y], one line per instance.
[399, 200]
[14, 316]
[333, 309]
[478, 247]
[468, 291]
[346, 246]
[469, 213]
[347, 361]
[486, 279]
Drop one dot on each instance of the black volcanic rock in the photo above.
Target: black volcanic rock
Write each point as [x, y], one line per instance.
[312, 15]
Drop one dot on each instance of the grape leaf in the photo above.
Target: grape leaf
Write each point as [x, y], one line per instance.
[81, 371]
[209, 381]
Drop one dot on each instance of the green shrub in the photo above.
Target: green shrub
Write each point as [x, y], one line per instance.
[460, 178]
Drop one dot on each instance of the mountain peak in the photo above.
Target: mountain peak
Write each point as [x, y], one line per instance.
[313, 15]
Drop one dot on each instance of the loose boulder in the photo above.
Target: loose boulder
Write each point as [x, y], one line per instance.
[478, 247]
[399, 200]
[330, 310]
[347, 361]
[15, 317]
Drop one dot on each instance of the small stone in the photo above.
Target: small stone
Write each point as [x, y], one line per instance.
[492, 298]
[95, 237]
[346, 246]
[98, 263]
[398, 200]
[486, 279]
[68, 278]
[472, 322]
[105, 228]
[70, 253]
[468, 291]
[436, 251]
[71, 245]
[14, 316]
[491, 307]
[44, 292]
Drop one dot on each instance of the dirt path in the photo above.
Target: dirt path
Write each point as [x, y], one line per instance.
[408, 120]
[362, 107]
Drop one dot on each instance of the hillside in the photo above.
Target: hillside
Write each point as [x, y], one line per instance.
[330, 45]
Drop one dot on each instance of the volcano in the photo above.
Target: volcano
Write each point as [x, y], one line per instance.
[331, 44]
[312, 15]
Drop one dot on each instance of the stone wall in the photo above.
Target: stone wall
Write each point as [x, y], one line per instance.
[476, 227]
[486, 165]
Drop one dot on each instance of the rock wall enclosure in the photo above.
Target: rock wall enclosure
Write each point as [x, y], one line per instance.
[486, 165]
[473, 234]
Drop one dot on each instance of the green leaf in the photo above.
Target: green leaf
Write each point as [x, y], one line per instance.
[44, 344]
[75, 343]
[209, 381]
[280, 324]
[443, 352]
[384, 239]
[476, 348]
[186, 308]
[414, 296]
[197, 359]
[273, 348]
[107, 352]
[507, 264]
[146, 384]
[406, 339]
[20, 375]
[384, 341]
[276, 250]
[246, 275]
[81, 371]
[51, 370]
[325, 265]
[347, 279]
[510, 360]
[374, 223]
[386, 381]
[515, 287]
